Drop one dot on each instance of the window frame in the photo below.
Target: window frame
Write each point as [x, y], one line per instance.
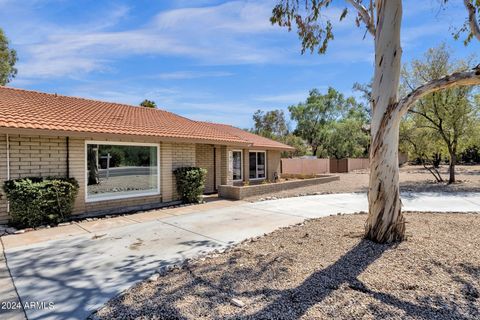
[121, 143]
[241, 165]
[256, 164]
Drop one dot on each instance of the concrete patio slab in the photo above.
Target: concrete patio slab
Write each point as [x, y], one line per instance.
[9, 301]
[150, 215]
[104, 224]
[80, 272]
[27, 238]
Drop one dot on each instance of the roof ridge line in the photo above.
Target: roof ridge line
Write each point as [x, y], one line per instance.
[87, 99]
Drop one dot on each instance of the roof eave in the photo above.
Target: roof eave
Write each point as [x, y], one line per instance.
[106, 135]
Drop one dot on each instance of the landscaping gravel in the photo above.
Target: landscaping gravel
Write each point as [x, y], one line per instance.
[323, 269]
[412, 179]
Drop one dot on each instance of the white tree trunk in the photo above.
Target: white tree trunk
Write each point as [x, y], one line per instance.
[385, 222]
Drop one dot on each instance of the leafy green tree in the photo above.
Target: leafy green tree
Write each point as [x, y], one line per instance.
[382, 20]
[273, 125]
[8, 58]
[316, 117]
[421, 144]
[450, 114]
[148, 104]
[270, 124]
[348, 137]
[301, 147]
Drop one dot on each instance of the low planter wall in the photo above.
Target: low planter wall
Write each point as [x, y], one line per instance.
[238, 193]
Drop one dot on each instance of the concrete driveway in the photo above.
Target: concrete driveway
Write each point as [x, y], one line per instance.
[79, 267]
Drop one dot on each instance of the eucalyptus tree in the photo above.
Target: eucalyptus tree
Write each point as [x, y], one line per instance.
[382, 19]
[8, 58]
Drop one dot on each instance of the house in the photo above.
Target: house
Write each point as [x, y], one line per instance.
[122, 156]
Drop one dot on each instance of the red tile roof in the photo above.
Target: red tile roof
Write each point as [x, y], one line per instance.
[35, 110]
[25, 109]
[255, 140]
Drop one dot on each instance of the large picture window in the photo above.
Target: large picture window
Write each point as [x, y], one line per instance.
[117, 171]
[257, 167]
[237, 165]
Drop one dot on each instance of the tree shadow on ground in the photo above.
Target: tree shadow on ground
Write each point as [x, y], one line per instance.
[211, 292]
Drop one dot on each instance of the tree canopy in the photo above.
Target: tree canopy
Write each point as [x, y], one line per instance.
[8, 58]
[271, 124]
[148, 104]
[447, 117]
[323, 119]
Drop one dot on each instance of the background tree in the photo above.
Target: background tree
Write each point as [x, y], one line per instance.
[148, 104]
[315, 117]
[423, 145]
[270, 124]
[8, 58]
[273, 125]
[300, 145]
[382, 19]
[348, 137]
[451, 113]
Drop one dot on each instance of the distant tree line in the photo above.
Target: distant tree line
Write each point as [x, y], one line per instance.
[326, 125]
[442, 127]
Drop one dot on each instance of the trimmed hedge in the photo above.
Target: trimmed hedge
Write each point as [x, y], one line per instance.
[190, 183]
[36, 201]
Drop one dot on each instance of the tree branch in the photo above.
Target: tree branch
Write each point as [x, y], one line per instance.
[425, 116]
[472, 18]
[465, 78]
[366, 17]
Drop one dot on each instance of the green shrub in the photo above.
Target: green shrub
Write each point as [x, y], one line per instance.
[35, 201]
[190, 183]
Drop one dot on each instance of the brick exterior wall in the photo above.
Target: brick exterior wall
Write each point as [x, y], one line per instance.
[47, 156]
[31, 156]
[238, 193]
[205, 159]
[3, 177]
[37, 156]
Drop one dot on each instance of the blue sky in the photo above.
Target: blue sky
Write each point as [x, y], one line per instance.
[205, 59]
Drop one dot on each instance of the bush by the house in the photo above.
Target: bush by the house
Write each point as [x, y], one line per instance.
[36, 201]
[190, 183]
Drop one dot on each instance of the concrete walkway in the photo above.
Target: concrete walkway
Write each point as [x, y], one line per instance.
[79, 267]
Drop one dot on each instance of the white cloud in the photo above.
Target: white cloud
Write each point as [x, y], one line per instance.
[182, 75]
[286, 98]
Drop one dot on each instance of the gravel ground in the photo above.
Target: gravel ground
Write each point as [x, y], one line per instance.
[322, 269]
[412, 178]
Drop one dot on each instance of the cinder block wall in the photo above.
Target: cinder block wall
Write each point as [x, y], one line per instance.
[3, 177]
[31, 156]
[47, 156]
[205, 159]
[183, 155]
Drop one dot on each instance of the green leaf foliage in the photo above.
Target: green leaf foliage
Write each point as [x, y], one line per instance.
[38, 201]
[445, 120]
[148, 104]
[331, 124]
[190, 183]
[314, 29]
[271, 124]
[8, 58]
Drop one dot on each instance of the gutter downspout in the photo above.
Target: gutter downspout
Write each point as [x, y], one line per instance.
[8, 166]
[68, 156]
[214, 169]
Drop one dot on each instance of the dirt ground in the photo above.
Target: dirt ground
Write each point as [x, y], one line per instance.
[412, 178]
[323, 269]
